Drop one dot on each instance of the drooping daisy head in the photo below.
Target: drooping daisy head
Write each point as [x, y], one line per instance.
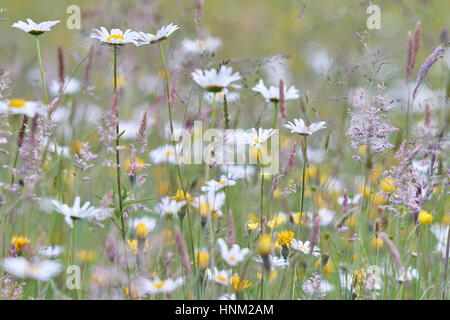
[214, 80]
[160, 35]
[20, 106]
[299, 127]
[116, 37]
[34, 28]
[273, 93]
[201, 46]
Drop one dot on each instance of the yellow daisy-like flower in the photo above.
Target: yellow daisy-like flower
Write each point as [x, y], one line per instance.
[251, 226]
[202, 259]
[239, 284]
[285, 238]
[276, 221]
[296, 218]
[387, 185]
[132, 246]
[425, 218]
[20, 242]
[180, 197]
[133, 167]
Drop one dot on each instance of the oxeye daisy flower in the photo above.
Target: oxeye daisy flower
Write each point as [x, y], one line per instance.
[256, 138]
[34, 28]
[148, 222]
[214, 186]
[169, 207]
[160, 35]
[211, 203]
[163, 154]
[80, 212]
[70, 86]
[42, 270]
[326, 216]
[51, 251]
[214, 80]
[304, 247]
[213, 97]
[273, 260]
[20, 106]
[222, 277]
[238, 171]
[116, 37]
[299, 127]
[201, 46]
[272, 94]
[234, 255]
[156, 285]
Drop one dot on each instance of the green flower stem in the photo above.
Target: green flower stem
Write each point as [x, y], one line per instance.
[175, 148]
[275, 114]
[119, 184]
[302, 196]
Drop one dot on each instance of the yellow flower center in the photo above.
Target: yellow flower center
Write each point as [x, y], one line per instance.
[158, 285]
[308, 128]
[255, 139]
[221, 278]
[115, 36]
[141, 230]
[17, 103]
[222, 182]
[168, 153]
[232, 258]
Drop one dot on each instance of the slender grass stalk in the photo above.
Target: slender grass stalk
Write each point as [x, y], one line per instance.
[119, 184]
[262, 192]
[447, 250]
[275, 114]
[302, 195]
[38, 49]
[169, 106]
[213, 112]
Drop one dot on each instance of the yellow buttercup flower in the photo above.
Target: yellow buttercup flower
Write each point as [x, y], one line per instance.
[276, 221]
[239, 284]
[285, 238]
[251, 226]
[387, 185]
[202, 259]
[272, 276]
[135, 166]
[20, 242]
[376, 243]
[132, 246]
[265, 245]
[252, 217]
[296, 218]
[141, 230]
[425, 218]
[180, 197]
